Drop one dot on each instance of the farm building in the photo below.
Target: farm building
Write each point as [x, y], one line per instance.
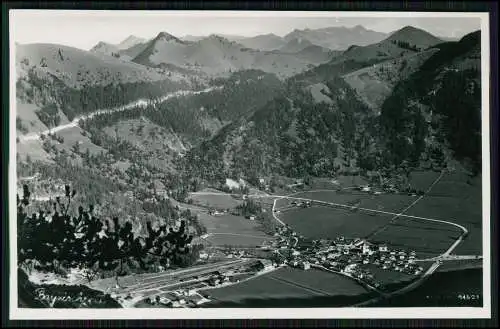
[265, 264]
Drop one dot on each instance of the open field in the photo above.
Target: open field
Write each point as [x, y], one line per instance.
[287, 283]
[74, 135]
[328, 222]
[426, 238]
[326, 282]
[34, 150]
[232, 230]
[421, 180]
[443, 289]
[455, 265]
[215, 201]
[383, 202]
[237, 239]
[385, 277]
[454, 200]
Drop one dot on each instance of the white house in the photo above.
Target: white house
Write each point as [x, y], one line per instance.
[350, 268]
[305, 266]
[367, 249]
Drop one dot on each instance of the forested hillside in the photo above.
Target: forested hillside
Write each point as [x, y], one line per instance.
[294, 136]
[198, 117]
[63, 82]
[440, 103]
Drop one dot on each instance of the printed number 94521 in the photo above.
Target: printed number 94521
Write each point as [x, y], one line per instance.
[468, 296]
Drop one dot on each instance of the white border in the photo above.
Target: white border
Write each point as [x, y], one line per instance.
[250, 313]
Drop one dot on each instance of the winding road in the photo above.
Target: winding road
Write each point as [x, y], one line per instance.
[137, 103]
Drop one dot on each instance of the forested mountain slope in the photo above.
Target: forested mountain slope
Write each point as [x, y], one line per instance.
[57, 83]
[295, 136]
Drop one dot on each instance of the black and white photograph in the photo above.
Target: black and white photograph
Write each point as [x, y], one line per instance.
[249, 164]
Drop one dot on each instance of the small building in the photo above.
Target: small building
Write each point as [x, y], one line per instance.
[305, 266]
[252, 217]
[197, 299]
[367, 248]
[265, 264]
[382, 248]
[350, 268]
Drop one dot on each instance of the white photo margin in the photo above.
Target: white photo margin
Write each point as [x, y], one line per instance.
[17, 313]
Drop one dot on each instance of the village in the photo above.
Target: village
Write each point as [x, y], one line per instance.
[345, 256]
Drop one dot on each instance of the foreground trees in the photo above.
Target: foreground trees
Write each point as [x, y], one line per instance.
[56, 240]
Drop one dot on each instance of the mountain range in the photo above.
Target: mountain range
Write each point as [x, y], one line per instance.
[314, 102]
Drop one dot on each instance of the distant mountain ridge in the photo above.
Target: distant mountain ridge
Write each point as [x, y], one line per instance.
[127, 49]
[338, 38]
[216, 55]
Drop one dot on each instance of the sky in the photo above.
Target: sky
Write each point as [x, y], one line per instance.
[84, 29]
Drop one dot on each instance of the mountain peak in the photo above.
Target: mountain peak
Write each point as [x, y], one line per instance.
[414, 36]
[103, 47]
[166, 37]
[218, 38]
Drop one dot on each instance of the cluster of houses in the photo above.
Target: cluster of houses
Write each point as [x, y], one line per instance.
[342, 255]
[178, 298]
[302, 204]
[218, 212]
[342, 252]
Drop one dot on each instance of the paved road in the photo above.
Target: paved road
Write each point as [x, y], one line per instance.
[138, 103]
[450, 258]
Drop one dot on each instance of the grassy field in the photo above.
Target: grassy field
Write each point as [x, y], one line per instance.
[455, 198]
[455, 265]
[421, 180]
[442, 290]
[232, 230]
[426, 238]
[215, 201]
[73, 135]
[327, 222]
[237, 239]
[383, 202]
[385, 277]
[452, 199]
[289, 283]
